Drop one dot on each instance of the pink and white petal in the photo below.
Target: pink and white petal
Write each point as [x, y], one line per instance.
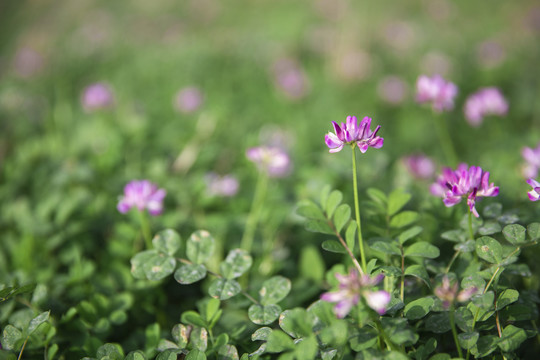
[377, 300]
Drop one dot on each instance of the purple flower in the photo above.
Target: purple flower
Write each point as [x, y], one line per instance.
[216, 185]
[437, 91]
[532, 157]
[97, 96]
[352, 133]
[420, 166]
[392, 89]
[188, 100]
[351, 287]
[486, 101]
[274, 161]
[142, 194]
[290, 78]
[471, 182]
[534, 194]
[448, 293]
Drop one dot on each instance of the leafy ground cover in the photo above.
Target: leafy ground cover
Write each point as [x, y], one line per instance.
[173, 186]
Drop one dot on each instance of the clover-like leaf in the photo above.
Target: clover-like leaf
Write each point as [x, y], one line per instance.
[419, 308]
[190, 273]
[278, 342]
[193, 318]
[515, 234]
[333, 246]
[403, 219]
[297, 322]
[334, 199]
[386, 246]
[399, 331]
[10, 337]
[180, 334]
[167, 241]
[364, 339]
[512, 338]
[38, 320]
[409, 234]
[468, 339]
[319, 226]
[310, 210]
[200, 246]
[263, 314]
[159, 266]
[422, 249]
[195, 354]
[489, 249]
[224, 289]
[484, 301]
[420, 272]
[238, 261]
[274, 290]
[261, 334]
[397, 200]
[533, 230]
[342, 216]
[506, 297]
[489, 228]
[199, 338]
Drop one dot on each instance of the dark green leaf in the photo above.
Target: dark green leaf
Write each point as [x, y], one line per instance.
[474, 280]
[10, 337]
[391, 271]
[533, 230]
[490, 228]
[261, 334]
[507, 297]
[377, 195]
[200, 246]
[190, 273]
[138, 261]
[194, 354]
[307, 348]
[512, 338]
[199, 338]
[397, 200]
[334, 199]
[485, 346]
[38, 320]
[420, 272]
[224, 289]
[193, 318]
[333, 246]
[274, 290]
[297, 322]
[110, 351]
[489, 249]
[438, 323]
[227, 352]
[399, 331]
[167, 241]
[263, 314]
[342, 216]
[278, 342]
[419, 308]
[466, 247]
[158, 266]
[403, 219]
[386, 246]
[484, 301]
[310, 210]
[366, 338]
[468, 339]
[135, 355]
[464, 319]
[319, 226]
[422, 249]
[409, 234]
[515, 234]
[238, 261]
[493, 210]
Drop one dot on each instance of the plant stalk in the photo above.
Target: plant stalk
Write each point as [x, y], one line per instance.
[454, 332]
[145, 229]
[255, 212]
[357, 210]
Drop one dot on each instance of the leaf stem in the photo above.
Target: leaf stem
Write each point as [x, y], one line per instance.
[145, 229]
[357, 209]
[255, 212]
[456, 254]
[471, 232]
[446, 141]
[22, 349]
[344, 244]
[454, 332]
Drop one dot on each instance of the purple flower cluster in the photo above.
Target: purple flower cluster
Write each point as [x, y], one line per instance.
[534, 194]
[142, 194]
[467, 182]
[351, 288]
[272, 160]
[420, 166]
[532, 157]
[352, 133]
[437, 91]
[486, 101]
[448, 293]
[226, 185]
[188, 100]
[97, 96]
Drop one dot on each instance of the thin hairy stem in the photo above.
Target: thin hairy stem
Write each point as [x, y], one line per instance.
[357, 210]
[255, 212]
[446, 141]
[145, 229]
[454, 332]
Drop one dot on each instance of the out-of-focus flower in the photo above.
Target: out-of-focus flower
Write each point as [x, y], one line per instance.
[290, 79]
[142, 194]
[351, 288]
[274, 161]
[97, 96]
[448, 293]
[490, 53]
[400, 35]
[532, 157]
[188, 100]
[471, 182]
[216, 185]
[420, 166]
[27, 62]
[437, 91]
[486, 101]
[534, 194]
[392, 89]
[435, 62]
[352, 133]
[352, 64]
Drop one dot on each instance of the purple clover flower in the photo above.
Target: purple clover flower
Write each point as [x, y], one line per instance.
[471, 182]
[225, 186]
[419, 166]
[290, 78]
[97, 96]
[437, 91]
[351, 288]
[532, 157]
[142, 194]
[274, 161]
[486, 101]
[448, 293]
[188, 100]
[534, 194]
[352, 133]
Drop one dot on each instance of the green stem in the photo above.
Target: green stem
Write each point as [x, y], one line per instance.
[145, 228]
[446, 142]
[22, 349]
[402, 290]
[454, 332]
[456, 254]
[471, 232]
[255, 212]
[357, 210]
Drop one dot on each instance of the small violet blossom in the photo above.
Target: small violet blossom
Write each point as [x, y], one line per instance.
[351, 288]
[419, 166]
[532, 157]
[448, 293]
[534, 194]
[97, 96]
[225, 186]
[142, 194]
[188, 100]
[437, 91]
[471, 182]
[486, 101]
[274, 161]
[352, 133]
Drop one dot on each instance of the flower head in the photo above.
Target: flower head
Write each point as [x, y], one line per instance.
[471, 182]
[437, 91]
[274, 161]
[142, 194]
[188, 100]
[97, 96]
[420, 166]
[534, 194]
[532, 157]
[352, 133]
[486, 101]
[448, 293]
[351, 288]
[290, 79]
[216, 185]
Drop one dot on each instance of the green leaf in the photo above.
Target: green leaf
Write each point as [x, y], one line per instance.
[199, 338]
[397, 200]
[238, 261]
[420, 272]
[364, 339]
[224, 289]
[334, 199]
[310, 210]
[485, 346]
[319, 226]
[484, 301]
[475, 280]
[274, 290]
[454, 235]
[333, 246]
[533, 230]
[386, 246]
[307, 348]
[211, 310]
[419, 308]
[399, 331]
[194, 354]
[167, 241]
[425, 350]
[221, 340]
[422, 249]
[336, 333]
[200, 246]
[409, 234]
[468, 339]
[297, 322]
[493, 210]
[325, 192]
[138, 261]
[180, 334]
[342, 216]
[10, 336]
[403, 219]
[193, 318]
[512, 338]
[506, 297]
[489, 249]
[490, 228]
[135, 355]
[466, 247]
[38, 320]
[438, 323]
[159, 266]
[53, 350]
[227, 352]
[263, 314]
[190, 273]
[311, 263]
[261, 334]
[390, 270]
[278, 342]
[110, 351]
[515, 234]
[350, 234]
[464, 319]
[377, 196]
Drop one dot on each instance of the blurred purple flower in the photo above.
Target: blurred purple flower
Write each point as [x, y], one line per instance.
[290, 78]
[188, 100]
[392, 89]
[534, 194]
[490, 53]
[27, 62]
[216, 185]
[97, 96]
[448, 293]
[352, 133]
[274, 161]
[351, 287]
[142, 194]
[420, 166]
[471, 182]
[532, 157]
[437, 91]
[486, 101]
